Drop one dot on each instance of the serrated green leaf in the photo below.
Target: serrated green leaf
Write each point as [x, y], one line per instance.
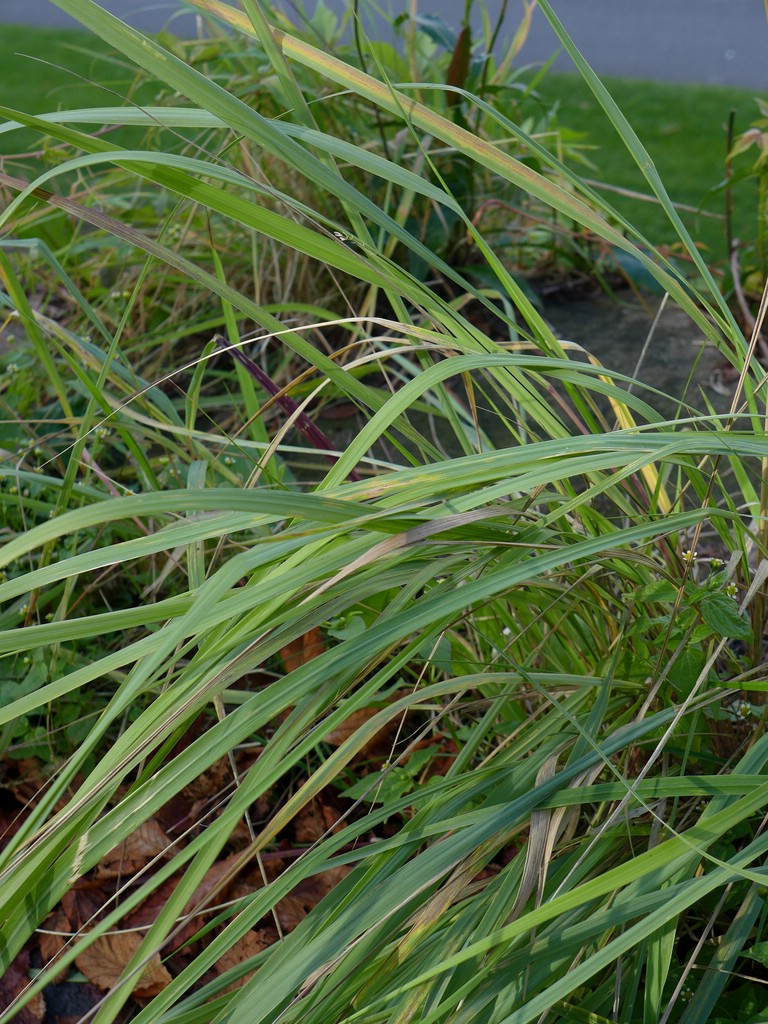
[686, 670]
[659, 590]
[722, 613]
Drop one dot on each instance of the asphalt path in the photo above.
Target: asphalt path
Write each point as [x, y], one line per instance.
[723, 42]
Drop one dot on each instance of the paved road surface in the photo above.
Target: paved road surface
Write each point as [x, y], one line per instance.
[712, 41]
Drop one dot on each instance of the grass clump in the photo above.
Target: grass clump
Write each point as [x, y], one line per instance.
[409, 725]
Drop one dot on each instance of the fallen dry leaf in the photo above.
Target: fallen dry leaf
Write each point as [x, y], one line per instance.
[54, 938]
[350, 726]
[292, 909]
[249, 945]
[26, 779]
[147, 842]
[196, 803]
[11, 817]
[314, 821]
[146, 913]
[220, 880]
[216, 778]
[318, 886]
[303, 649]
[13, 983]
[104, 961]
[215, 883]
[217, 880]
[83, 903]
[355, 721]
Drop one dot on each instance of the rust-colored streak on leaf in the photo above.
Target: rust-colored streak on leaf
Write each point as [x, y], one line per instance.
[303, 649]
[105, 960]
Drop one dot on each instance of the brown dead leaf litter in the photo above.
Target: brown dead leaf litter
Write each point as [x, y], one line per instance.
[99, 967]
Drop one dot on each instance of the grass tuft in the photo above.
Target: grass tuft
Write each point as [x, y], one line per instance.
[454, 715]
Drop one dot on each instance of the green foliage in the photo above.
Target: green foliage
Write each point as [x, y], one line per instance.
[527, 613]
[685, 129]
[749, 250]
[685, 619]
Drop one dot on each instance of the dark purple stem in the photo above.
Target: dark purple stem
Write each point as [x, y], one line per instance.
[313, 434]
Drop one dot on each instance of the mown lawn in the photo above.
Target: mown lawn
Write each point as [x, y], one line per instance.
[45, 69]
[684, 128]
